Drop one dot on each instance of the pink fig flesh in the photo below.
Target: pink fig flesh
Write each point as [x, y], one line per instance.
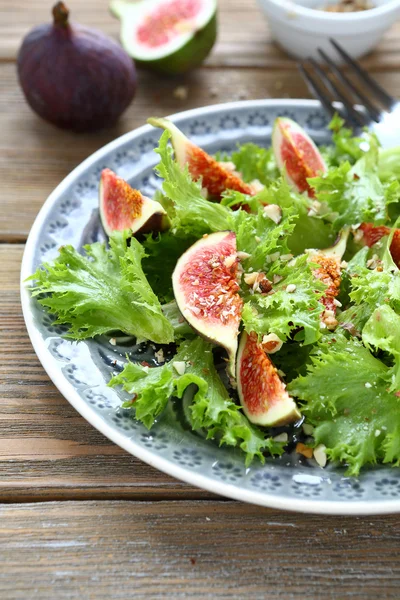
[296, 153]
[206, 290]
[262, 393]
[214, 176]
[122, 207]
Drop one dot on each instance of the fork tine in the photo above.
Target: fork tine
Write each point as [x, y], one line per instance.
[316, 89]
[374, 112]
[354, 115]
[384, 97]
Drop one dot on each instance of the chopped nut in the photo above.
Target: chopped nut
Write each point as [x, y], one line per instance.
[282, 437]
[308, 429]
[277, 278]
[273, 211]
[304, 450]
[243, 255]
[113, 342]
[329, 319]
[230, 260]
[250, 278]
[160, 356]
[265, 286]
[320, 455]
[181, 92]
[337, 303]
[358, 235]
[179, 366]
[290, 288]
[271, 343]
[286, 257]
[272, 257]
[256, 186]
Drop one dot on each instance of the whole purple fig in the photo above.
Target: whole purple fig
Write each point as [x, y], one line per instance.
[74, 76]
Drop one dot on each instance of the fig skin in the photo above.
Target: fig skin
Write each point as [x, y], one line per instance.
[74, 76]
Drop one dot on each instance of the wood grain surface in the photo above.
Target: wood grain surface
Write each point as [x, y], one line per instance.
[63, 534]
[47, 450]
[174, 550]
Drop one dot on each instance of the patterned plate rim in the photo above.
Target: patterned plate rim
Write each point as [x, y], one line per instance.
[86, 411]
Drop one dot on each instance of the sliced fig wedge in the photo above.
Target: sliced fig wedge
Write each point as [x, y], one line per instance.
[122, 207]
[262, 393]
[215, 177]
[372, 234]
[206, 290]
[296, 153]
[329, 272]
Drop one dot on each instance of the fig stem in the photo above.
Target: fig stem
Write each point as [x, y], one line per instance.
[60, 14]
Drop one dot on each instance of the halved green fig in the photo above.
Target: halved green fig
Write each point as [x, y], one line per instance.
[262, 393]
[215, 177]
[122, 207]
[206, 290]
[372, 234]
[169, 36]
[329, 272]
[296, 154]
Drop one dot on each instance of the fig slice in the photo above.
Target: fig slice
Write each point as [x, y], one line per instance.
[168, 36]
[329, 272]
[122, 207]
[216, 178]
[372, 234]
[206, 290]
[296, 153]
[262, 393]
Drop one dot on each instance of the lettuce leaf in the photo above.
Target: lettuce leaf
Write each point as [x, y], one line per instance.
[102, 291]
[254, 162]
[212, 408]
[284, 312]
[346, 398]
[345, 145]
[162, 254]
[382, 331]
[191, 212]
[371, 288]
[355, 194]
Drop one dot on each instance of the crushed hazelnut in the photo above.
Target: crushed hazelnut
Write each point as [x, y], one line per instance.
[273, 211]
[179, 366]
[271, 343]
[181, 92]
[282, 437]
[320, 455]
[304, 450]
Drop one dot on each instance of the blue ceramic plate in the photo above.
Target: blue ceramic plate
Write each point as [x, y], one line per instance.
[81, 371]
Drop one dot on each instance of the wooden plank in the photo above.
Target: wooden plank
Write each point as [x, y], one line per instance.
[244, 36]
[35, 156]
[223, 550]
[47, 451]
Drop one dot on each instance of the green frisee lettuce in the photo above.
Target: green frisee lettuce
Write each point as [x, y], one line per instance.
[212, 408]
[347, 398]
[102, 291]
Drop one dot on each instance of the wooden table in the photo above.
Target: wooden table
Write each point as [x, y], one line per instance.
[79, 517]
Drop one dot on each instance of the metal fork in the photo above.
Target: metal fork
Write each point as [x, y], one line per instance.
[379, 111]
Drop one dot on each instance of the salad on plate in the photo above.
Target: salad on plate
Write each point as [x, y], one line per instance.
[267, 285]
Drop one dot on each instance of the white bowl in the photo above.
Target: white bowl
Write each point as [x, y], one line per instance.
[300, 28]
